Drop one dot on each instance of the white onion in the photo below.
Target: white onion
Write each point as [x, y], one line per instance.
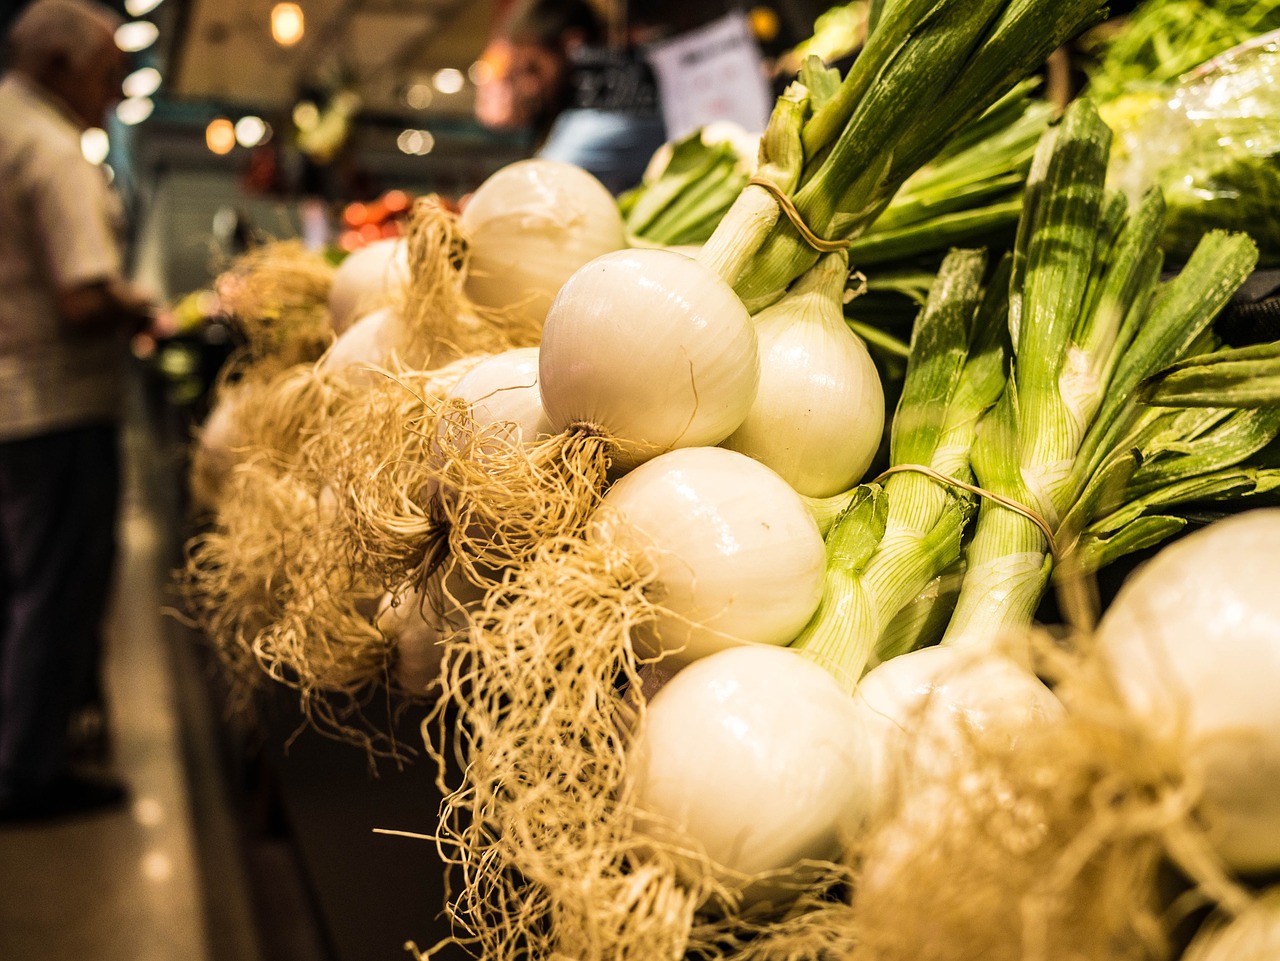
[419, 620]
[1253, 935]
[369, 277]
[218, 450]
[504, 388]
[369, 342]
[532, 224]
[923, 709]
[818, 416]
[651, 348]
[1193, 641]
[738, 555]
[754, 756]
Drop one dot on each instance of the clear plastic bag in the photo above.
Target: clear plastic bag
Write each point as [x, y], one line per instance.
[1211, 142]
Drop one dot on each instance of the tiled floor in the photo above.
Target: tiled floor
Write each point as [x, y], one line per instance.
[127, 886]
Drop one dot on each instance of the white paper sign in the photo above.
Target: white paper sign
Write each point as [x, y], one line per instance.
[713, 73]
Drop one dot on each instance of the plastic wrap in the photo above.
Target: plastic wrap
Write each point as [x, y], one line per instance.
[1211, 142]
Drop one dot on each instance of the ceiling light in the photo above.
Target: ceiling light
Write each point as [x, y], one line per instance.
[416, 142]
[143, 82]
[140, 8]
[448, 80]
[417, 96]
[95, 145]
[220, 135]
[250, 131]
[287, 24]
[305, 115]
[136, 35]
[133, 110]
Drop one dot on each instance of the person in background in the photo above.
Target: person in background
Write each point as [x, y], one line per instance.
[66, 316]
[589, 99]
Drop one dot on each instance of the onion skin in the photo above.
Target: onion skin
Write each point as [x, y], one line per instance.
[753, 756]
[504, 387]
[923, 708]
[530, 225]
[739, 558]
[1193, 642]
[1253, 935]
[649, 348]
[368, 278]
[818, 416]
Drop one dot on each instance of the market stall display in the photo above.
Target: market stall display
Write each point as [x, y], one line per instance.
[731, 650]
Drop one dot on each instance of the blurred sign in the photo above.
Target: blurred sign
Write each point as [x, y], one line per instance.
[713, 73]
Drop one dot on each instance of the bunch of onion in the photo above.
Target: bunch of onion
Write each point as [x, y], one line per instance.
[694, 550]
[1148, 794]
[703, 557]
[1071, 438]
[1058, 454]
[673, 352]
[672, 364]
[286, 589]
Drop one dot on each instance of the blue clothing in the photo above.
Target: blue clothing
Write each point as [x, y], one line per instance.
[614, 145]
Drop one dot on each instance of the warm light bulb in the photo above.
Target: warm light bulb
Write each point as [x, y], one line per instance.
[143, 82]
[136, 35]
[250, 131]
[140, 8]
[287, 24]
[416, 142]
[448, 80]
[95, 145]
[220, 135]
[134, 110]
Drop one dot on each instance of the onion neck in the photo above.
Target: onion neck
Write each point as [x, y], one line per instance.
[740, 233]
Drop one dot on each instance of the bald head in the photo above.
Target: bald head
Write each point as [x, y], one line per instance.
[68, 47]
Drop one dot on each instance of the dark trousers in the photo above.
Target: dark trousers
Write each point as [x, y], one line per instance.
[59, 501]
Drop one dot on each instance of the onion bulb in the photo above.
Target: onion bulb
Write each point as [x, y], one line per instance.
[818, 416]
[651, 349]
[1193, 642]
[754, 757]
[369, 342]
[1252, 935]
[923, 710]
[369, 277]
[738, 557]
[503, 388]
[530, 225]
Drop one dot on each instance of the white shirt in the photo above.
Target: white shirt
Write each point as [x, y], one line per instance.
[59, 228]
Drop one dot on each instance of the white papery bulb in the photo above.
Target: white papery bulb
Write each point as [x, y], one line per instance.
[753, 756]
[370, 277]
[651, 348]
[738, 558]
[369, 342]
[530, 225]
[503, 388]
[1193, 641]
[924, 709]
[818, 415]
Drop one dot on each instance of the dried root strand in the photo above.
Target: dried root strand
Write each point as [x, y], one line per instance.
[500, 501]
[436, 308]
[540, 846]
[540, 834]
[277, 296]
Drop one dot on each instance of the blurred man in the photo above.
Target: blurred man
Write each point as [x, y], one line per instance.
[66, 314]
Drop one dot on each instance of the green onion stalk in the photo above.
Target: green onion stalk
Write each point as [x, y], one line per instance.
[840, 152]
[1072, 439]
[894, 540]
